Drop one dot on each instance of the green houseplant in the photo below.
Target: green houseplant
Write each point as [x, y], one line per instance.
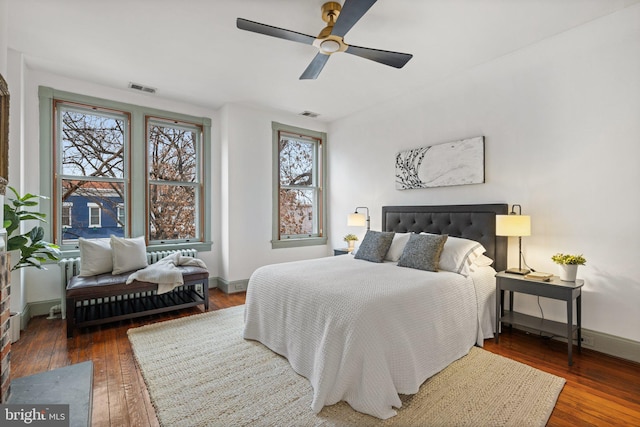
[566, 259]
[33, 249]
[568, 265]
[350, 239]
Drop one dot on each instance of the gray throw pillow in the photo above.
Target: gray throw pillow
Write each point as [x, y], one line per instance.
[374, 246]
[423, 251]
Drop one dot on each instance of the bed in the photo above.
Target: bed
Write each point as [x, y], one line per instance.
[364, 332]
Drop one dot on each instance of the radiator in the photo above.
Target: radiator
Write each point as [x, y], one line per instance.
[70, 267]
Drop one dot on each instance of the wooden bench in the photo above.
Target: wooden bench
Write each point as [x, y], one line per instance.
[107, 298]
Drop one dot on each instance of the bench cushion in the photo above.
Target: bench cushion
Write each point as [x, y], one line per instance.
[107, 284]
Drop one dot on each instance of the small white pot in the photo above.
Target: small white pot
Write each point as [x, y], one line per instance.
[568, 272]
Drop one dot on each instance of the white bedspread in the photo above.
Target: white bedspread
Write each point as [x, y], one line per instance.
[364, 332]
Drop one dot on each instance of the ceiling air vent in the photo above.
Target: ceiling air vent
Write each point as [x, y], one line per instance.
[309, 114]
[142, 88]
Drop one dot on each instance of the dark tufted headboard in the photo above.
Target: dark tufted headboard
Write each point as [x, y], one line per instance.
[474, 222]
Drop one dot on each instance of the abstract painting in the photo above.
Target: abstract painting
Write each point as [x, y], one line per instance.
[452, 163]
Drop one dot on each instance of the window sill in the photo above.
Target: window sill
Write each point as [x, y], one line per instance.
[296, 243]
[199, 246]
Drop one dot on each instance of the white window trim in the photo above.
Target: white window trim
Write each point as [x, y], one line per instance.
[119, 210]
[70, 216]
[91, 206]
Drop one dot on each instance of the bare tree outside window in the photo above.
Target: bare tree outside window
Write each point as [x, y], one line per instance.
[298, 186]
[173, 180]
[125, 170]
[92, 171]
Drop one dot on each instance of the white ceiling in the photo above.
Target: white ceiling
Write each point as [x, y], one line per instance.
[191, 50]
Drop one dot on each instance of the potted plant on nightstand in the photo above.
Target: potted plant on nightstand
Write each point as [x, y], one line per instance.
[351, 240]
[568, 265]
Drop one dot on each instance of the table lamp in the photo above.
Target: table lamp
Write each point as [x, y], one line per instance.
[515, 225]
[359, 220]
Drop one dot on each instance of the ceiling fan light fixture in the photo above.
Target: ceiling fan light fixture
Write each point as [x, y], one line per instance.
[339, 19]
[329, 46]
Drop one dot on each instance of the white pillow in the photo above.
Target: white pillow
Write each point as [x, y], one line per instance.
[480, 263]
[397, 246]
[458, 254]
[483, 261]
[128, 254]
[95, 256]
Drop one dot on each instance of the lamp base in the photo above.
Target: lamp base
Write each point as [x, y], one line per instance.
[521, 271]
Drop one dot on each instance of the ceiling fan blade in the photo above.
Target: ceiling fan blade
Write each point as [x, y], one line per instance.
[281, 33]
[313, 70]
[351, 12]
[394, 59]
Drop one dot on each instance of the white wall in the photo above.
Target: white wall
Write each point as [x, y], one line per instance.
[561, 121]
[247, 191]
[45, 285]
[4, 35]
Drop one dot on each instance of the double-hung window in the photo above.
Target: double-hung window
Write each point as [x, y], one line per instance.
[127, 170]
[95, 215]
[67, 211]
[299, 201]
[174, 191]
[91, 148]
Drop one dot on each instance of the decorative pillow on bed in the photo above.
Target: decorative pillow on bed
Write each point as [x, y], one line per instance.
[397, 246]
[375, 246]
[459, 253]
[95, 256]
[128, 254]
[423, 251]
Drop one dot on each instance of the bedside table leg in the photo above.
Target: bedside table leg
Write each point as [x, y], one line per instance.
[579, 320]
[499, 302]
[570, 330]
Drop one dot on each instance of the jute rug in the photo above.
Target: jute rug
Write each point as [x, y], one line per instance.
[200, 372]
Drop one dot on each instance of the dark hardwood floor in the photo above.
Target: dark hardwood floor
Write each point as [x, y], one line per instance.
[600, 390]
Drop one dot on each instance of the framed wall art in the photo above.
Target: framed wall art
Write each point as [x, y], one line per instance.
[451, 163]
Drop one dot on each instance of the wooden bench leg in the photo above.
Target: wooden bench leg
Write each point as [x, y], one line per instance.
[205, 292]
[71, 319]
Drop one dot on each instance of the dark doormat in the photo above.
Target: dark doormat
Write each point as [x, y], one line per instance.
[71, 385]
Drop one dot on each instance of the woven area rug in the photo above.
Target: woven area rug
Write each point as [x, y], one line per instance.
[200, 372]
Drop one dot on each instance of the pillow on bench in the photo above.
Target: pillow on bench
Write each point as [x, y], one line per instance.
[128, 254]
[96, 256]
[115, 255]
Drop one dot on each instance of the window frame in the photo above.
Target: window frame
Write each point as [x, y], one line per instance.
[91, 206]
[121, 212]
[319, 237]
[200, 173]
[136, 214]
[69, 206]
[60, 106]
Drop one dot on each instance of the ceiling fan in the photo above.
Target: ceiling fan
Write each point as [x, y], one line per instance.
[339, 19]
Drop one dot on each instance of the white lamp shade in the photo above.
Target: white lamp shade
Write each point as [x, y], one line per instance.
[513, 225]
[357, 220]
